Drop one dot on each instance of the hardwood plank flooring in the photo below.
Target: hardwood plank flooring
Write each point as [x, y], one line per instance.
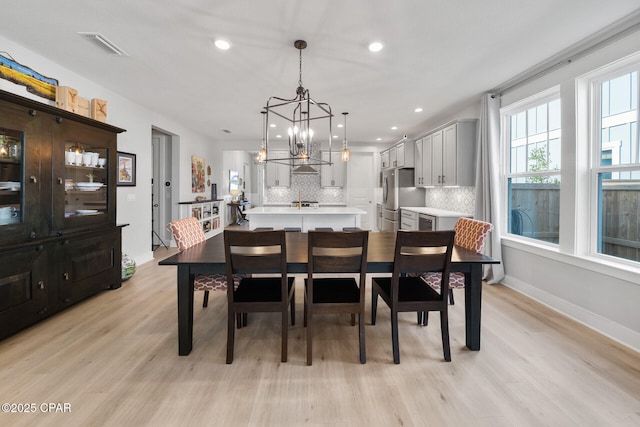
[114, 360]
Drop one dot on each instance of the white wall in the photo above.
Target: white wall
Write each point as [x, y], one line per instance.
[133, 203]
[600, 295]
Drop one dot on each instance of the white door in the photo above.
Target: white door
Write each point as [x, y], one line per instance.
[360, 182]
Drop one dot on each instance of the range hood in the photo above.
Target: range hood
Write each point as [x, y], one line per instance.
[304, 169]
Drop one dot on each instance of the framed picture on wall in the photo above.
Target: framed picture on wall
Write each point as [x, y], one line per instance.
[126, 169]
[197, 174]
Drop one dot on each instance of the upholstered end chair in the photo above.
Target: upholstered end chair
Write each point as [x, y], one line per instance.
[188, 232]
[470, 234]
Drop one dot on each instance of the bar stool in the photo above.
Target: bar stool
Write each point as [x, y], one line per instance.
[263, 229]
[324, 229]
[350, 228]
[293, 229]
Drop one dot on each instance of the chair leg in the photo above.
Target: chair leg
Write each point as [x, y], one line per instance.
[444, 326]
[420, 315]
[285, 334]
[309, 325]
[205, 301]
[231, 329]
[451, 301]
[425, 318]
[304, 320]
[292, 302]
[394, 337]
[245, 318]
[353, 319]
[239, 320]
[363, 351]
[374, 306]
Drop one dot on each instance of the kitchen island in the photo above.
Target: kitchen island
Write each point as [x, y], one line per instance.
[305, 218]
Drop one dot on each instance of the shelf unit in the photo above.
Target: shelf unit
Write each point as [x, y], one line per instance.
[210, 213]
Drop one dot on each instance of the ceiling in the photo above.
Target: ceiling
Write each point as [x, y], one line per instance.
[439, 55]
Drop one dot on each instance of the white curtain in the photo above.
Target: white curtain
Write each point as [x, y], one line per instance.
[488, 182]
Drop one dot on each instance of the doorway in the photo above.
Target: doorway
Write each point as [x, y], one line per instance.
[161, 189]
[360, 179]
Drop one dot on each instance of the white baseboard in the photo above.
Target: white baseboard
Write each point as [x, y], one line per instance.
[615, 331]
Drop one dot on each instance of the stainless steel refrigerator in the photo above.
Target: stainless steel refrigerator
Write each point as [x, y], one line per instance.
[398, 189]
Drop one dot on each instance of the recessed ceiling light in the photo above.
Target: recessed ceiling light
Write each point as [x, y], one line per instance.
[272, 125]
[378, 139]
[418, 110]
[222, 44]
[394, 127]
[278, 136]
[376, 46]
[340, 125]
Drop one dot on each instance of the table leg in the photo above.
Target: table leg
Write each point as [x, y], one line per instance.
[473, 306]
[185, 311]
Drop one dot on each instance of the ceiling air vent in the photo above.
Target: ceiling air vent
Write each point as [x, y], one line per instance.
[104, 43]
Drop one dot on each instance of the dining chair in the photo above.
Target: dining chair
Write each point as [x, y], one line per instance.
[330, 253]
[470, 234]
[416, 252]
[188, 232]
[263, 253]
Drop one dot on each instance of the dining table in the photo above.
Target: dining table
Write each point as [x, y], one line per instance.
[208, 257]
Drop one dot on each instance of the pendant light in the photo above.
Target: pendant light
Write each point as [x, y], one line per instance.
[346, 154]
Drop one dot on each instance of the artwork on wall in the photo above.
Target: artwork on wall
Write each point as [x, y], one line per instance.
[20, 74]
[197, 174]
[126, 169]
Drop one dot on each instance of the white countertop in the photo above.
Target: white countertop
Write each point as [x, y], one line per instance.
[436, 212]
[288, 210]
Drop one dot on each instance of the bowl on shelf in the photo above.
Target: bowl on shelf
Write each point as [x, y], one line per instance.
[89, 186]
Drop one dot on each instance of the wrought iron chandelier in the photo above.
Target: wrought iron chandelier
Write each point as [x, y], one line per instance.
[304, 118]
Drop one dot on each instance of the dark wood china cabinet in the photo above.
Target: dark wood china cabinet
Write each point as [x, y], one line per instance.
[59, 242]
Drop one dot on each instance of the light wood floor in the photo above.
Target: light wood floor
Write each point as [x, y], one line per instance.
[114, 360]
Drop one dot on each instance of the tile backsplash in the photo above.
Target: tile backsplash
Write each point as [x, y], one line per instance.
[308, 188]
[459, 199]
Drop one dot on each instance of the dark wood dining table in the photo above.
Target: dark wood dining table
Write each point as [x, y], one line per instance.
[208, 258]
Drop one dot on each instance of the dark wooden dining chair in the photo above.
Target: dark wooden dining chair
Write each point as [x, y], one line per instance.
[330, 253]
[258, 252]
[416, 252]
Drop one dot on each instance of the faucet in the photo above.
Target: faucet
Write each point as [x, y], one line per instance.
[90, 176]
[299, 199]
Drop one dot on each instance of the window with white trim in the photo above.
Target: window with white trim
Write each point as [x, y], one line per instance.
[532, 169]
[615, 163]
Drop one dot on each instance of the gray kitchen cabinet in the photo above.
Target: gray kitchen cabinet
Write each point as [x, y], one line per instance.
[332, 175]
[278, 174]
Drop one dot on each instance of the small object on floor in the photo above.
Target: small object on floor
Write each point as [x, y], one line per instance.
[128, 267]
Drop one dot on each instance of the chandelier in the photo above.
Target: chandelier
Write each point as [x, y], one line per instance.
[307, 121]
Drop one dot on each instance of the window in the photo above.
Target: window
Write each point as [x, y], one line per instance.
[533, 168]
[615, 168]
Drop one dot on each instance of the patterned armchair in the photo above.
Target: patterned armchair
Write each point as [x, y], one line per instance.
[188, 232]
[470, 234]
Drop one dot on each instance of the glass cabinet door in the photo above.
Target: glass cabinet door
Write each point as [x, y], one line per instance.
[85, 180]
[11, 172]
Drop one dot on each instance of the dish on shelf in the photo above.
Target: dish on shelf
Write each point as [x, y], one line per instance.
[87, 211]
[10, 185]
[89, 186]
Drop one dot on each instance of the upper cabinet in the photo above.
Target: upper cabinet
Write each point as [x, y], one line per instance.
[400, 155]
[404, 154]
[385, 159]
[278, 174]
[446, 157]
[332, 175]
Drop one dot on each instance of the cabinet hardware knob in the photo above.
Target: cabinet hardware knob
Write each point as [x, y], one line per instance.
[66, 276]
[33, 179]
[40, 284]
[60, 180]
[58, 119]
[39, 248]
[43, 311]
[32, 113]
[32, 235]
